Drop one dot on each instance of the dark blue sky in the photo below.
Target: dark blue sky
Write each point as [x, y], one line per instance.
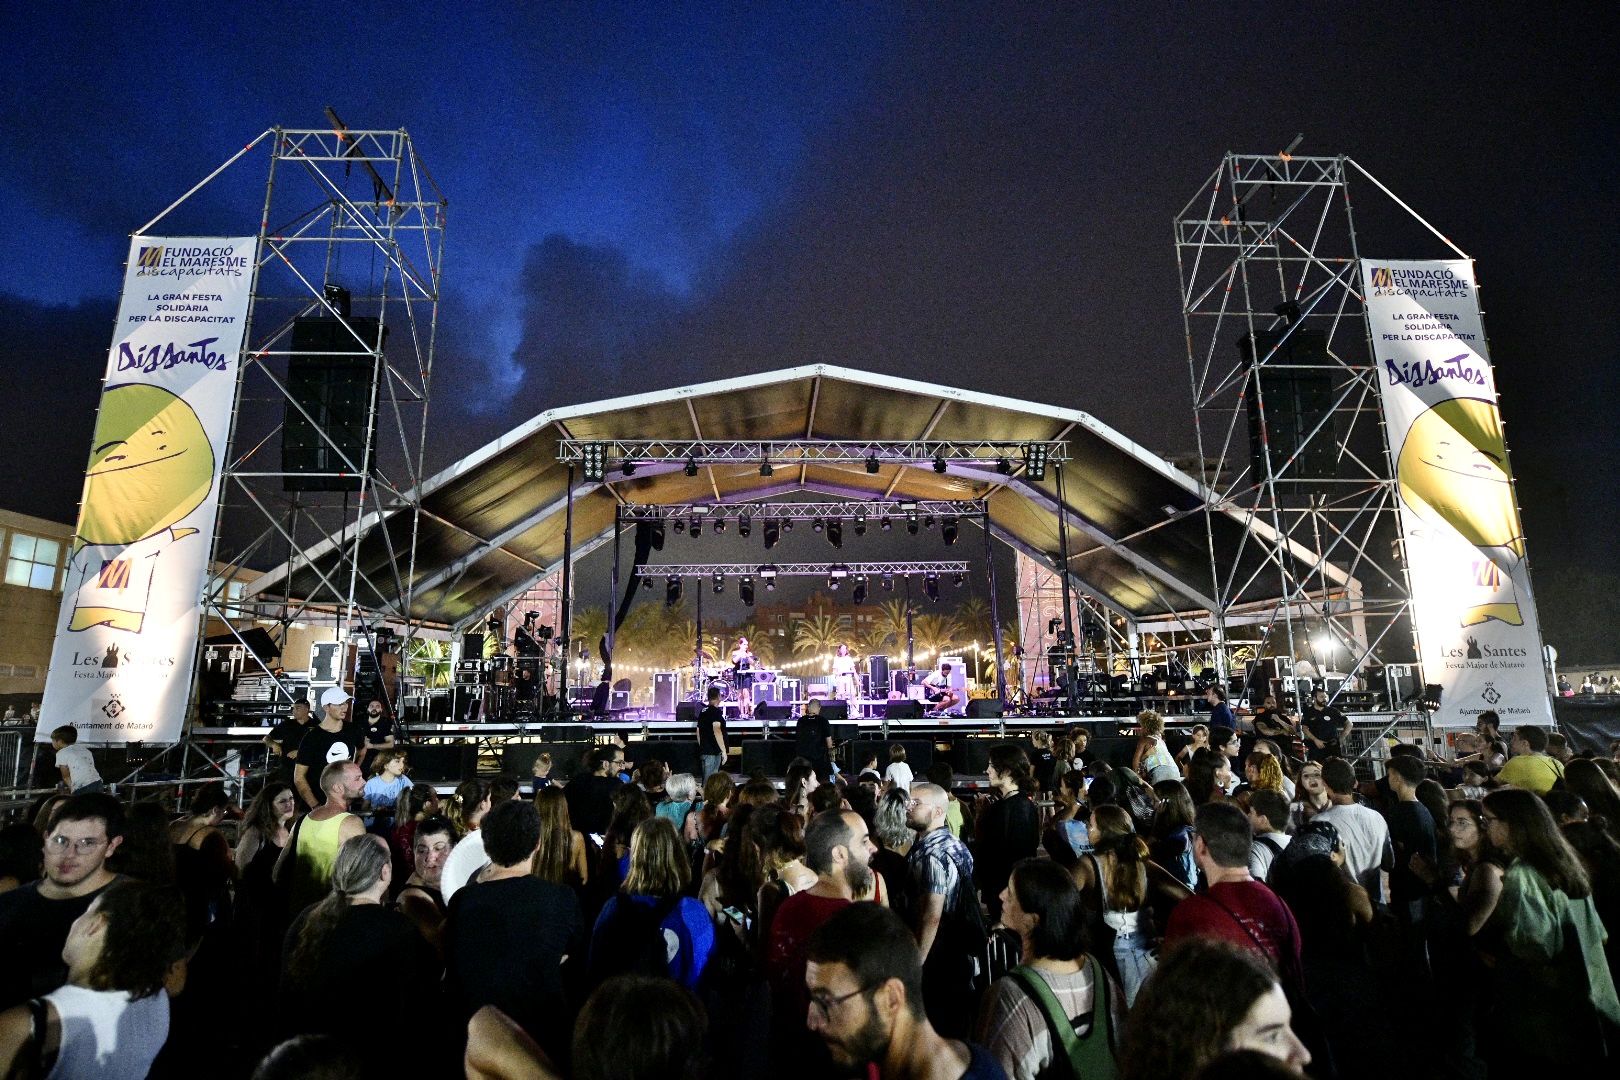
[654, 194]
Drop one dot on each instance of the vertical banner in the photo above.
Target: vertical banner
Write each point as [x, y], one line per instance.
[1473, 611]
[126, 638]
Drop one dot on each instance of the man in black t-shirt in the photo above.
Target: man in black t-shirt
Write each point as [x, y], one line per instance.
[590, 793]
[330, 741]
[35, 918]
[507, 933]
[814, 739]
[284, 738]
[1326, 728]
[378, 730]
[711, 734]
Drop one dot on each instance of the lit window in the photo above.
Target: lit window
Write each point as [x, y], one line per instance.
[31, 561]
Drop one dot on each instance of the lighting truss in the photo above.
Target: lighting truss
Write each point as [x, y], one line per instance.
[1270, 283]
[798, 569]
[804, 511]
[694, 452]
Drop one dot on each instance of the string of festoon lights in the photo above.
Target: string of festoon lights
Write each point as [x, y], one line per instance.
[824, 660]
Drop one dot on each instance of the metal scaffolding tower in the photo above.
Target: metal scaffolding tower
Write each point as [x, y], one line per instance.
[1286, 407]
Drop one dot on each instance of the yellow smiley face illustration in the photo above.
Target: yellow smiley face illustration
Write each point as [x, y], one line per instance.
[151, 465]
[1453, 468]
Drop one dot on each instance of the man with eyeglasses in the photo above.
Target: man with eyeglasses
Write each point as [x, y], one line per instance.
[945, 919]
[865, 980]
[35, 918]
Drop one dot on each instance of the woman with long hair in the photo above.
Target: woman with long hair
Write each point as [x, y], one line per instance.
[1172, 845]
[561, 858]
[632, 933]
[1116, 873]
[349, 933]
[1602, 798]
[630, 808]
[1042, 906]
[467, 806]
[1068, 834]
[1009, 829]
[1152, 758]
[1208, 772]
[718, 790]
[260, 914]
[777, 835]
[1264, 773]
[1553, 989]
[797, 786]
[1206, 998]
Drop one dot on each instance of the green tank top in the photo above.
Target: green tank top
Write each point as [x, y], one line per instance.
[315, 855]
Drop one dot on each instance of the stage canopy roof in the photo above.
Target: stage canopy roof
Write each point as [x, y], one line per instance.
[493, 522]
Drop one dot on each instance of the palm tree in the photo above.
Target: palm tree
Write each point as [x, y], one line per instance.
[430, 660]
[890, 621]
[817, 634]
[974, 615]
[936, 633]
[590, 627]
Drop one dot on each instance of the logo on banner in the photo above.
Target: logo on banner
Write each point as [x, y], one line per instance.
[197, 261]
[1491, 694]
[1425, 282]
[113, 709]
[1381, 278]
[150, 258]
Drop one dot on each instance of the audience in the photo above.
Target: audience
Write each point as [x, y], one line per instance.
[1414, 931]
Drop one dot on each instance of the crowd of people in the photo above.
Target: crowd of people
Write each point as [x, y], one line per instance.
[1243, 905]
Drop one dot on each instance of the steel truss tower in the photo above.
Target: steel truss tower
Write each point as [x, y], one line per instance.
[1287, 415]
[352, 230]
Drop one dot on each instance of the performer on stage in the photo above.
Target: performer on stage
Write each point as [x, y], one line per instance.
[937, 689]
[843, 674]
[742, 672]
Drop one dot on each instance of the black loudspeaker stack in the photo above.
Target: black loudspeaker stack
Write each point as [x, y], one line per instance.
[878, 667]
[331, 376]
[1297, 389]
[664, 688]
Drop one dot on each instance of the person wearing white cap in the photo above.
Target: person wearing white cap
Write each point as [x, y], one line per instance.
[329, 741]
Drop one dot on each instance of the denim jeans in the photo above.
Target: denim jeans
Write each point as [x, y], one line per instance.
[1135, 962]
[712, 764]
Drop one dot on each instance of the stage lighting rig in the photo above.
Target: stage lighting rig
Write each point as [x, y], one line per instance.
[628, 468]
[859, 595]
[911, 522]
[835, 533]
[887, 524]
[887, 581]
[696, 528]
[679, 526]
[960, 580]
[672, 591]
[691, 467]
[931, 587]
[816, 526]
[871, 464]
[947, 530]
[765, 469]
[939, 463]
[745, 589]
[773, 534]
[719, 525]
[646, 583]
[745, 525]
[1035, 461]
[593, 459]
[860, 524]
[1004, 467]
[719, 584]
[657, 536]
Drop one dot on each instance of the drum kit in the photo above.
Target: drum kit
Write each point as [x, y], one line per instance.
[730, 682]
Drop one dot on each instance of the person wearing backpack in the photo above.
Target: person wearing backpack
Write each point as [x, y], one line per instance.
[1268, 817]
[1058, 1015]
[650, 927]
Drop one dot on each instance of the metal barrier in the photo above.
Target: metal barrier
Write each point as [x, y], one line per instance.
[16, 755]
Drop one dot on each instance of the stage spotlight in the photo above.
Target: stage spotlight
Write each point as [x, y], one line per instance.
[773, 533]
[939, 463]
[816, 526]
[860, 524]
[719, 525]
[628, 468]
[745, 525]
[871, 463]
[672, 591]
[787, 524]
[859, 595]
[960, 579]
[696, 528]
[928, 521]
[1035, 461]
[767, 574]
[719, 583]
[887, 581]
[835, 533]
[911, 522]
[1004, 467]
[832, 583]
[931, 586]
[594, 459]
[745, 589]
[887, 524]
[658, 536]
[679, 526]
[691, 466]
[765, 469]
[947, 529]
[646, 583]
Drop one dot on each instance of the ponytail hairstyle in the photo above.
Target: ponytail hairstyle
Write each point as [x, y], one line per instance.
[1009, 759]
[470, 794]
[360, 864]
[1127, 885]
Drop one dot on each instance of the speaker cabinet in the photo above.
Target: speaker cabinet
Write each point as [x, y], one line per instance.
[680, 755]
[1291, 390]
[878, 666]
[686, 712]
[775, 714]
[331, 380]
[771, 755]
[905, 709]
[983, 708]
[517, 759]
[443, 764]
[665, 689]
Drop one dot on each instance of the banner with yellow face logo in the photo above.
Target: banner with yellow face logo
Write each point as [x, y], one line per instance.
[1473, 611]
[126, 638]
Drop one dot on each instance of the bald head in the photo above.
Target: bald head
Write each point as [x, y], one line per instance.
[928, 805]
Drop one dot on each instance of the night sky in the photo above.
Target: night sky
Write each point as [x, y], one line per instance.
[978, 196]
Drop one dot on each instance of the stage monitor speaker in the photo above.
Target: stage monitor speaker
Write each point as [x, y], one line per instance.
[772, 755]
[835, 712]
[331, 381]
[774, 713]
[620, 701]
[1294, 396]
[983, 708]
[971, 756]
[680, 755]
[686, 712]
[517, 759]
[582, 733]
[443, 764]
[905, 709]
[877, 666]
[665, 688]
[919, 753]
[472, 647]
